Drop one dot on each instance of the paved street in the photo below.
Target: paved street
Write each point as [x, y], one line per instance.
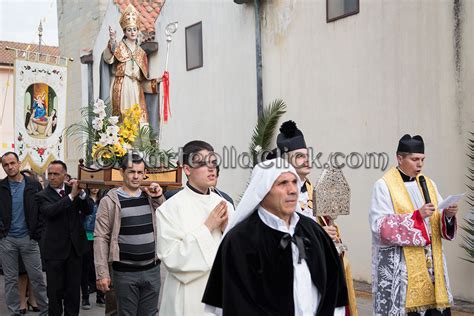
[95, 311]
[363, 300]
[364, 303]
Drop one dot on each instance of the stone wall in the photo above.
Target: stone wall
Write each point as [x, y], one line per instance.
[78, 25]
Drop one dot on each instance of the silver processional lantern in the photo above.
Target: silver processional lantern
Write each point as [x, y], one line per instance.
[332, 197]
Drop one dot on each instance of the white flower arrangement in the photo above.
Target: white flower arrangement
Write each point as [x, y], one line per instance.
[110, 139]
[106, 128]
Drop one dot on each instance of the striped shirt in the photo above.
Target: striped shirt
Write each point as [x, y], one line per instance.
[136, 237]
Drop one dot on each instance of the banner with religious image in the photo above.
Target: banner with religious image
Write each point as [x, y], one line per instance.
[40, 112]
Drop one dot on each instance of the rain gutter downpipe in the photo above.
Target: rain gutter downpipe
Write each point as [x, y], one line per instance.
[258, 55]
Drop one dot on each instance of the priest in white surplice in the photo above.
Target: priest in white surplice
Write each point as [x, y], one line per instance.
[189, 230]
[409, 273]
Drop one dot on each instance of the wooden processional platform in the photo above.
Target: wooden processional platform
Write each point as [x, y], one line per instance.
[169, 179]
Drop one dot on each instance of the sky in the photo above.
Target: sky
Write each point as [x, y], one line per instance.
[19, 21]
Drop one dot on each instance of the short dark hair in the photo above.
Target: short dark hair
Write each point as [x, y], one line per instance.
[100, 194]
[30, 173]
[59, 162]
[133, 158]
[192, 148]
[11, 153]
[403, 154]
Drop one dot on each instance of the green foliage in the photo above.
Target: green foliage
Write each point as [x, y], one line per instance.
[146, 142]
[468, 227]
[265, 130]
[146, 138]
[82, 133]
[468, 244]
[159, 158]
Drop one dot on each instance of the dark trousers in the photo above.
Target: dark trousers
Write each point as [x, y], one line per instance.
[433, 312]
[88, 272]
[111, 303]
[110, 298]
[64, 285]
[137, 292]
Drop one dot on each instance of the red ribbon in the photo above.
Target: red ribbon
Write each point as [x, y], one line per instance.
[166, 96]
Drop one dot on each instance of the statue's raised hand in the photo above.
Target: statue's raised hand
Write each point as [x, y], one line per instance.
[112, 34]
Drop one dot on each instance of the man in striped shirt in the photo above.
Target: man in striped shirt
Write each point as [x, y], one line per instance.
[124, 237]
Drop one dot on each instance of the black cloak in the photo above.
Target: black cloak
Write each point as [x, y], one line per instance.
[253, 274]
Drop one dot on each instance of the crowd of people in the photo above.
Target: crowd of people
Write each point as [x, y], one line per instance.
[269, 256]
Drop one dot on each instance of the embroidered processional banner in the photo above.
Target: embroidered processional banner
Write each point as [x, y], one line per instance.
[40, 112]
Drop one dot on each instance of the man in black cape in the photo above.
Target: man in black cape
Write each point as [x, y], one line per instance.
[272, 261]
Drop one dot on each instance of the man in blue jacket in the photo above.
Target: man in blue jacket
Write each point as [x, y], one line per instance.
[19, 233]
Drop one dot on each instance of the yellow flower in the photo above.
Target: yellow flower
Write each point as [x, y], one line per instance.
[119, 150]
[95, 148]
[130, 126]
[125, 133]
[126, 122]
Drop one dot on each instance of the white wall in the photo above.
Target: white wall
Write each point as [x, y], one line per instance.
[78, 24]
[360, 83]
[215, 103]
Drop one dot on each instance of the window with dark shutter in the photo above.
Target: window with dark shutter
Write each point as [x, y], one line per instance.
[194, 46]
[338, 9]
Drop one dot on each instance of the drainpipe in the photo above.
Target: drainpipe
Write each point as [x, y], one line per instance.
[258, 54]
[458, 10]
[88, 59]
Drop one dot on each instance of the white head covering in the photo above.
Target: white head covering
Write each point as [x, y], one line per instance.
[263, 176]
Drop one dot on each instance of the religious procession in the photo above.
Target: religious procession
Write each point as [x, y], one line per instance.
[238, 158]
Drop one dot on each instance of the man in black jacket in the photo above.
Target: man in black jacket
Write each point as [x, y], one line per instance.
[20, 233]
[63, 205]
